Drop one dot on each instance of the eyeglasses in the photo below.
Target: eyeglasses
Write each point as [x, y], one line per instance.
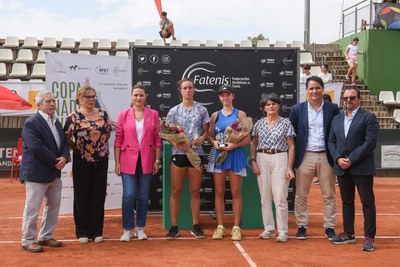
[351, 98]
[90, 97]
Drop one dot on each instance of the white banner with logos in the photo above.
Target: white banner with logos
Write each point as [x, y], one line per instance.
[334, 90]
[111, 77]
[390, 157]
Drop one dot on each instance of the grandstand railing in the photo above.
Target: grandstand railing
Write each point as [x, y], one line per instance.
[357, 17]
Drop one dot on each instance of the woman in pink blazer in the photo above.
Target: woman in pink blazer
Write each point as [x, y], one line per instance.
[137, 152]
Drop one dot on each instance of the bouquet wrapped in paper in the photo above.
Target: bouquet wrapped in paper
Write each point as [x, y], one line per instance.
[174, 134]
[235, 133]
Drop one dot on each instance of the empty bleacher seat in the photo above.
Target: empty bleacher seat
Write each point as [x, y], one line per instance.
[246, 43]
[396, 115]
[263, 43]
[306, 58]
[49, 43]
[84, 52]
[158, 42]
[67, 43]
[30, 42]
[211, 43]
[121, 54]
[14, 80]
[38, 70]
[387, 98]
[104, 44]
[86, 44]
[123, 44]
[3, 69]
[398, 96]
[35, 80]
[19, 70]
[194, 43]
[140, 42]
[24, 55]
[298, 44]
[175, 42]
[64, 51]
[11, 42]
[103, 53]
[6, 55]
[280, 44]
[315, 70]
[228, 43]
[42, 55]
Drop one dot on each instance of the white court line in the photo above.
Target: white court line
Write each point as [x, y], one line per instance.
[193, 238]
[244, 254]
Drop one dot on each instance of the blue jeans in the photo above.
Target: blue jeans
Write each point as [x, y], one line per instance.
[135, 195]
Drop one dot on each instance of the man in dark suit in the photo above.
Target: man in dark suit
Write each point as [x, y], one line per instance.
[45, 153]
[311, 120]
[352, 142]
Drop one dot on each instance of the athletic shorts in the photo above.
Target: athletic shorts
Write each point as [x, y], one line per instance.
[168, 34]
[352, 59]
[183, 161]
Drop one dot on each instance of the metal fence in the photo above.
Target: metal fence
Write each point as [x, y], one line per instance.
[356, 18]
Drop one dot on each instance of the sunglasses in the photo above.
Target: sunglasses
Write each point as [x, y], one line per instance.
[351, 98]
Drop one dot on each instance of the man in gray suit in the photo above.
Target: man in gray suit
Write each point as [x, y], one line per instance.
[45, 152]
[352, 141]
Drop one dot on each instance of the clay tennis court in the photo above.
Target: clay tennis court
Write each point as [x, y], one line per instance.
[187, 251]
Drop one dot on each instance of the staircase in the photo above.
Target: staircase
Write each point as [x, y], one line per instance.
[332, 55]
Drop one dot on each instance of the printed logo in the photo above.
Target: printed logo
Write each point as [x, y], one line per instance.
[153, 59]
[163, 83]
[163, 95]
[141, 71]
[164, 72]
[165, 59]
[264, 73]
[117, 71]
[268, 61]
[285, 85]
[287, 61]
[286, 73]
[101, 70]
[142, 58]
[58, 67]
[267, 84]
[164, 107]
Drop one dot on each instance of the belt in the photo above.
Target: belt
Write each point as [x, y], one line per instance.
[270, 151]
[321, 151]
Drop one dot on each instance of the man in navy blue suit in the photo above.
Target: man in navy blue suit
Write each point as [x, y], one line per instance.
[45, 152]
[311, 120]
[352, 142]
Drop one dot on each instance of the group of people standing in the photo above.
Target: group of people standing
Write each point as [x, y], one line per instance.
[314, 141]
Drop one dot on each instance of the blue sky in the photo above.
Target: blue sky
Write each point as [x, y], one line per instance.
[193, 19]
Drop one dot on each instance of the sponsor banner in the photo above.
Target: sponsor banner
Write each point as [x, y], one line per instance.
[8, 141]
[390, 157]
[111, 77]
[334, 90]
[27, 91]
[250, 72]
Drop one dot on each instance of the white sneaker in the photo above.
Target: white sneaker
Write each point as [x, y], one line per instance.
[282, 237]
[98, 239]
[141, 235]
[83, 240]
[267, 234]
[126, 237]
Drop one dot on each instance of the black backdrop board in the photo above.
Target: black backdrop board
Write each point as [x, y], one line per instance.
[250, 71]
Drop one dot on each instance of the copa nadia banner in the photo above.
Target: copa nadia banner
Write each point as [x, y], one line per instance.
[112, 80]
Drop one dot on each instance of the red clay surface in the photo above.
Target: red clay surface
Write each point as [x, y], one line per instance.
[187, 251]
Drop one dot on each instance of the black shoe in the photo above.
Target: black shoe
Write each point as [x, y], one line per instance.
[316, 181]
[330, 233]
[197, 232]
[173, 232]
[344, 238]
[368, 244]
[301, 233]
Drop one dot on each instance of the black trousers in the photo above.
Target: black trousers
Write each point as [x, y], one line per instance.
[347, 184]
[90, 184]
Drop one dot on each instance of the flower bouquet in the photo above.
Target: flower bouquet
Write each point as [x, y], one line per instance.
[174, 134]
[235, 133]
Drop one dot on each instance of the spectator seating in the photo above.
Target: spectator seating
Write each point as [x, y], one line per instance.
[306, 58]
[246, 43]
[138, 42]
[42, 55]
[83, 52]
[64, 51]
[280, 44]
[176, 42]
[387, 98]
[67, 43]
[86, 44]
[104, 44]
[103, 53]
[11, 42]
[298, 44]
[24, 55]
[228, 43]
[194, 43]
[396, 115]
[211, 43]
[121, 54]
[30, 42]
[123, 44]
[398, 96]
[263, 43]
[3, 69]
[315, 70]
[49, 43]
[38, 70]
[19, 70]
[6, 55]
[158, 42]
